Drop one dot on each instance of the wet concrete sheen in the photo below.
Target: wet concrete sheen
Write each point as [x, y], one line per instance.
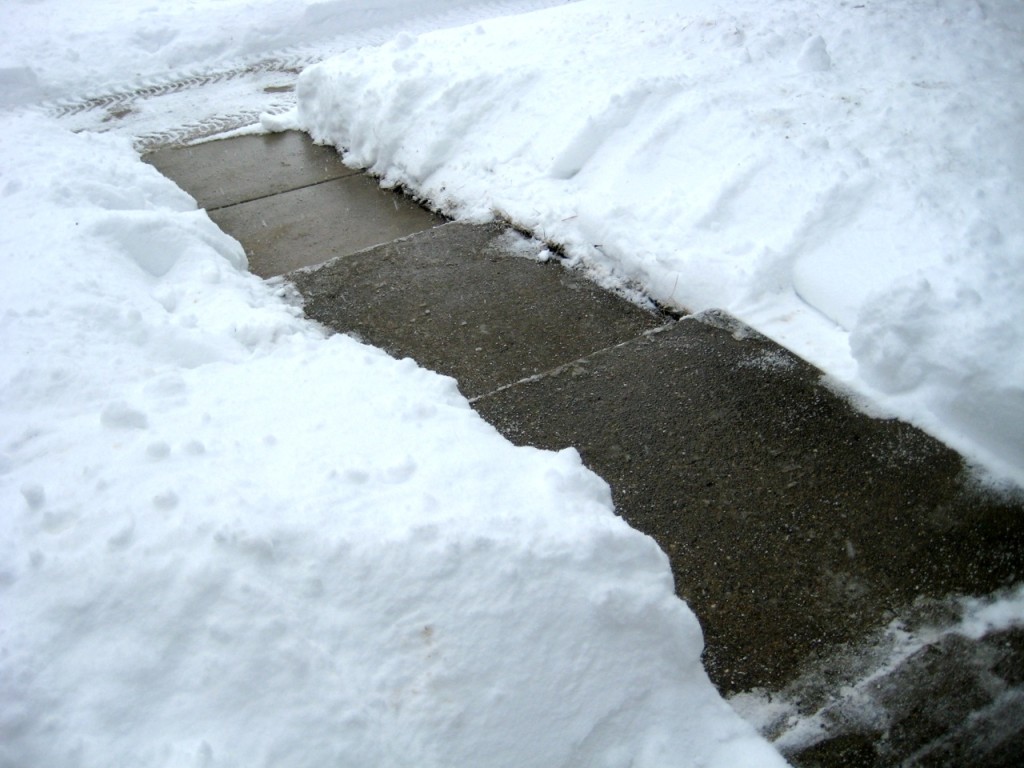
[219, 173]
[312, 224]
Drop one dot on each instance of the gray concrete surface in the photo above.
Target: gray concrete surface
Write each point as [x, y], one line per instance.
[464, 301]
[220, 173]
[310, 225]
[797, 527]
[954, 702]
[794, 523]
[289, 202]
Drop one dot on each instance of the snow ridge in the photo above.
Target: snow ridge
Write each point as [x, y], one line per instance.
[848, 182]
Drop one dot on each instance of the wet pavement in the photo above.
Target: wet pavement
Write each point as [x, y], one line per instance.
[797, 527]
[289, 202]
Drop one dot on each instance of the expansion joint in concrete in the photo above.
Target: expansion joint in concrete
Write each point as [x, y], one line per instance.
[576, 364]
[255, 198]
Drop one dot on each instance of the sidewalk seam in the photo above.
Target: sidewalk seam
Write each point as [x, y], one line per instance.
[579, 360]
[352, 172]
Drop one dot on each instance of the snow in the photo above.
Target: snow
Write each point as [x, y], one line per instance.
[232, 541]
[229, 540]
[845, 177]
[60, 48]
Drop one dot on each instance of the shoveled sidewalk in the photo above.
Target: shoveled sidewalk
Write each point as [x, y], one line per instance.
[797, 527]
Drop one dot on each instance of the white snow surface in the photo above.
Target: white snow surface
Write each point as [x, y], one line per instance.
[846, 177]
[228, 540]
[55, 49]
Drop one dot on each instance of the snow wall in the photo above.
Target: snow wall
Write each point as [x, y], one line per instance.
[847, 178]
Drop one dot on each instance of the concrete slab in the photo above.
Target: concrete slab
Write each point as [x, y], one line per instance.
[232, 171]
[312, 224]
[458, 299]
[794, 523]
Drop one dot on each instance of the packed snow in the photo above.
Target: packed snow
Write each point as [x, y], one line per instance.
[846, 177]
[229, 540]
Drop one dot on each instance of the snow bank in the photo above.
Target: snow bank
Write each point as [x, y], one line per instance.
[845, 177]
[229, 541]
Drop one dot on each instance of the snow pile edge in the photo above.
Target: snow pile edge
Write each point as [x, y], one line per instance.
[230, 541]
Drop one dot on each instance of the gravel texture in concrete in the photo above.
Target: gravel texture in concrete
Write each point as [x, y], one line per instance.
[794, 522]
[464, 301]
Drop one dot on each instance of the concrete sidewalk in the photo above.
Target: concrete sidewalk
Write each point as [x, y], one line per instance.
[797, 527]
[289, 202]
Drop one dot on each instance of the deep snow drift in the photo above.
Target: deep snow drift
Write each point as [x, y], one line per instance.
[230, 541]
[848, 178]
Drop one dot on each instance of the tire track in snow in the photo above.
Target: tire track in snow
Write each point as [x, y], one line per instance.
[123, 99]
[117, 110]
[193, 132]
[136, 110]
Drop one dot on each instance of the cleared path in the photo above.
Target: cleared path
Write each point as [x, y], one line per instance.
[797, 527]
